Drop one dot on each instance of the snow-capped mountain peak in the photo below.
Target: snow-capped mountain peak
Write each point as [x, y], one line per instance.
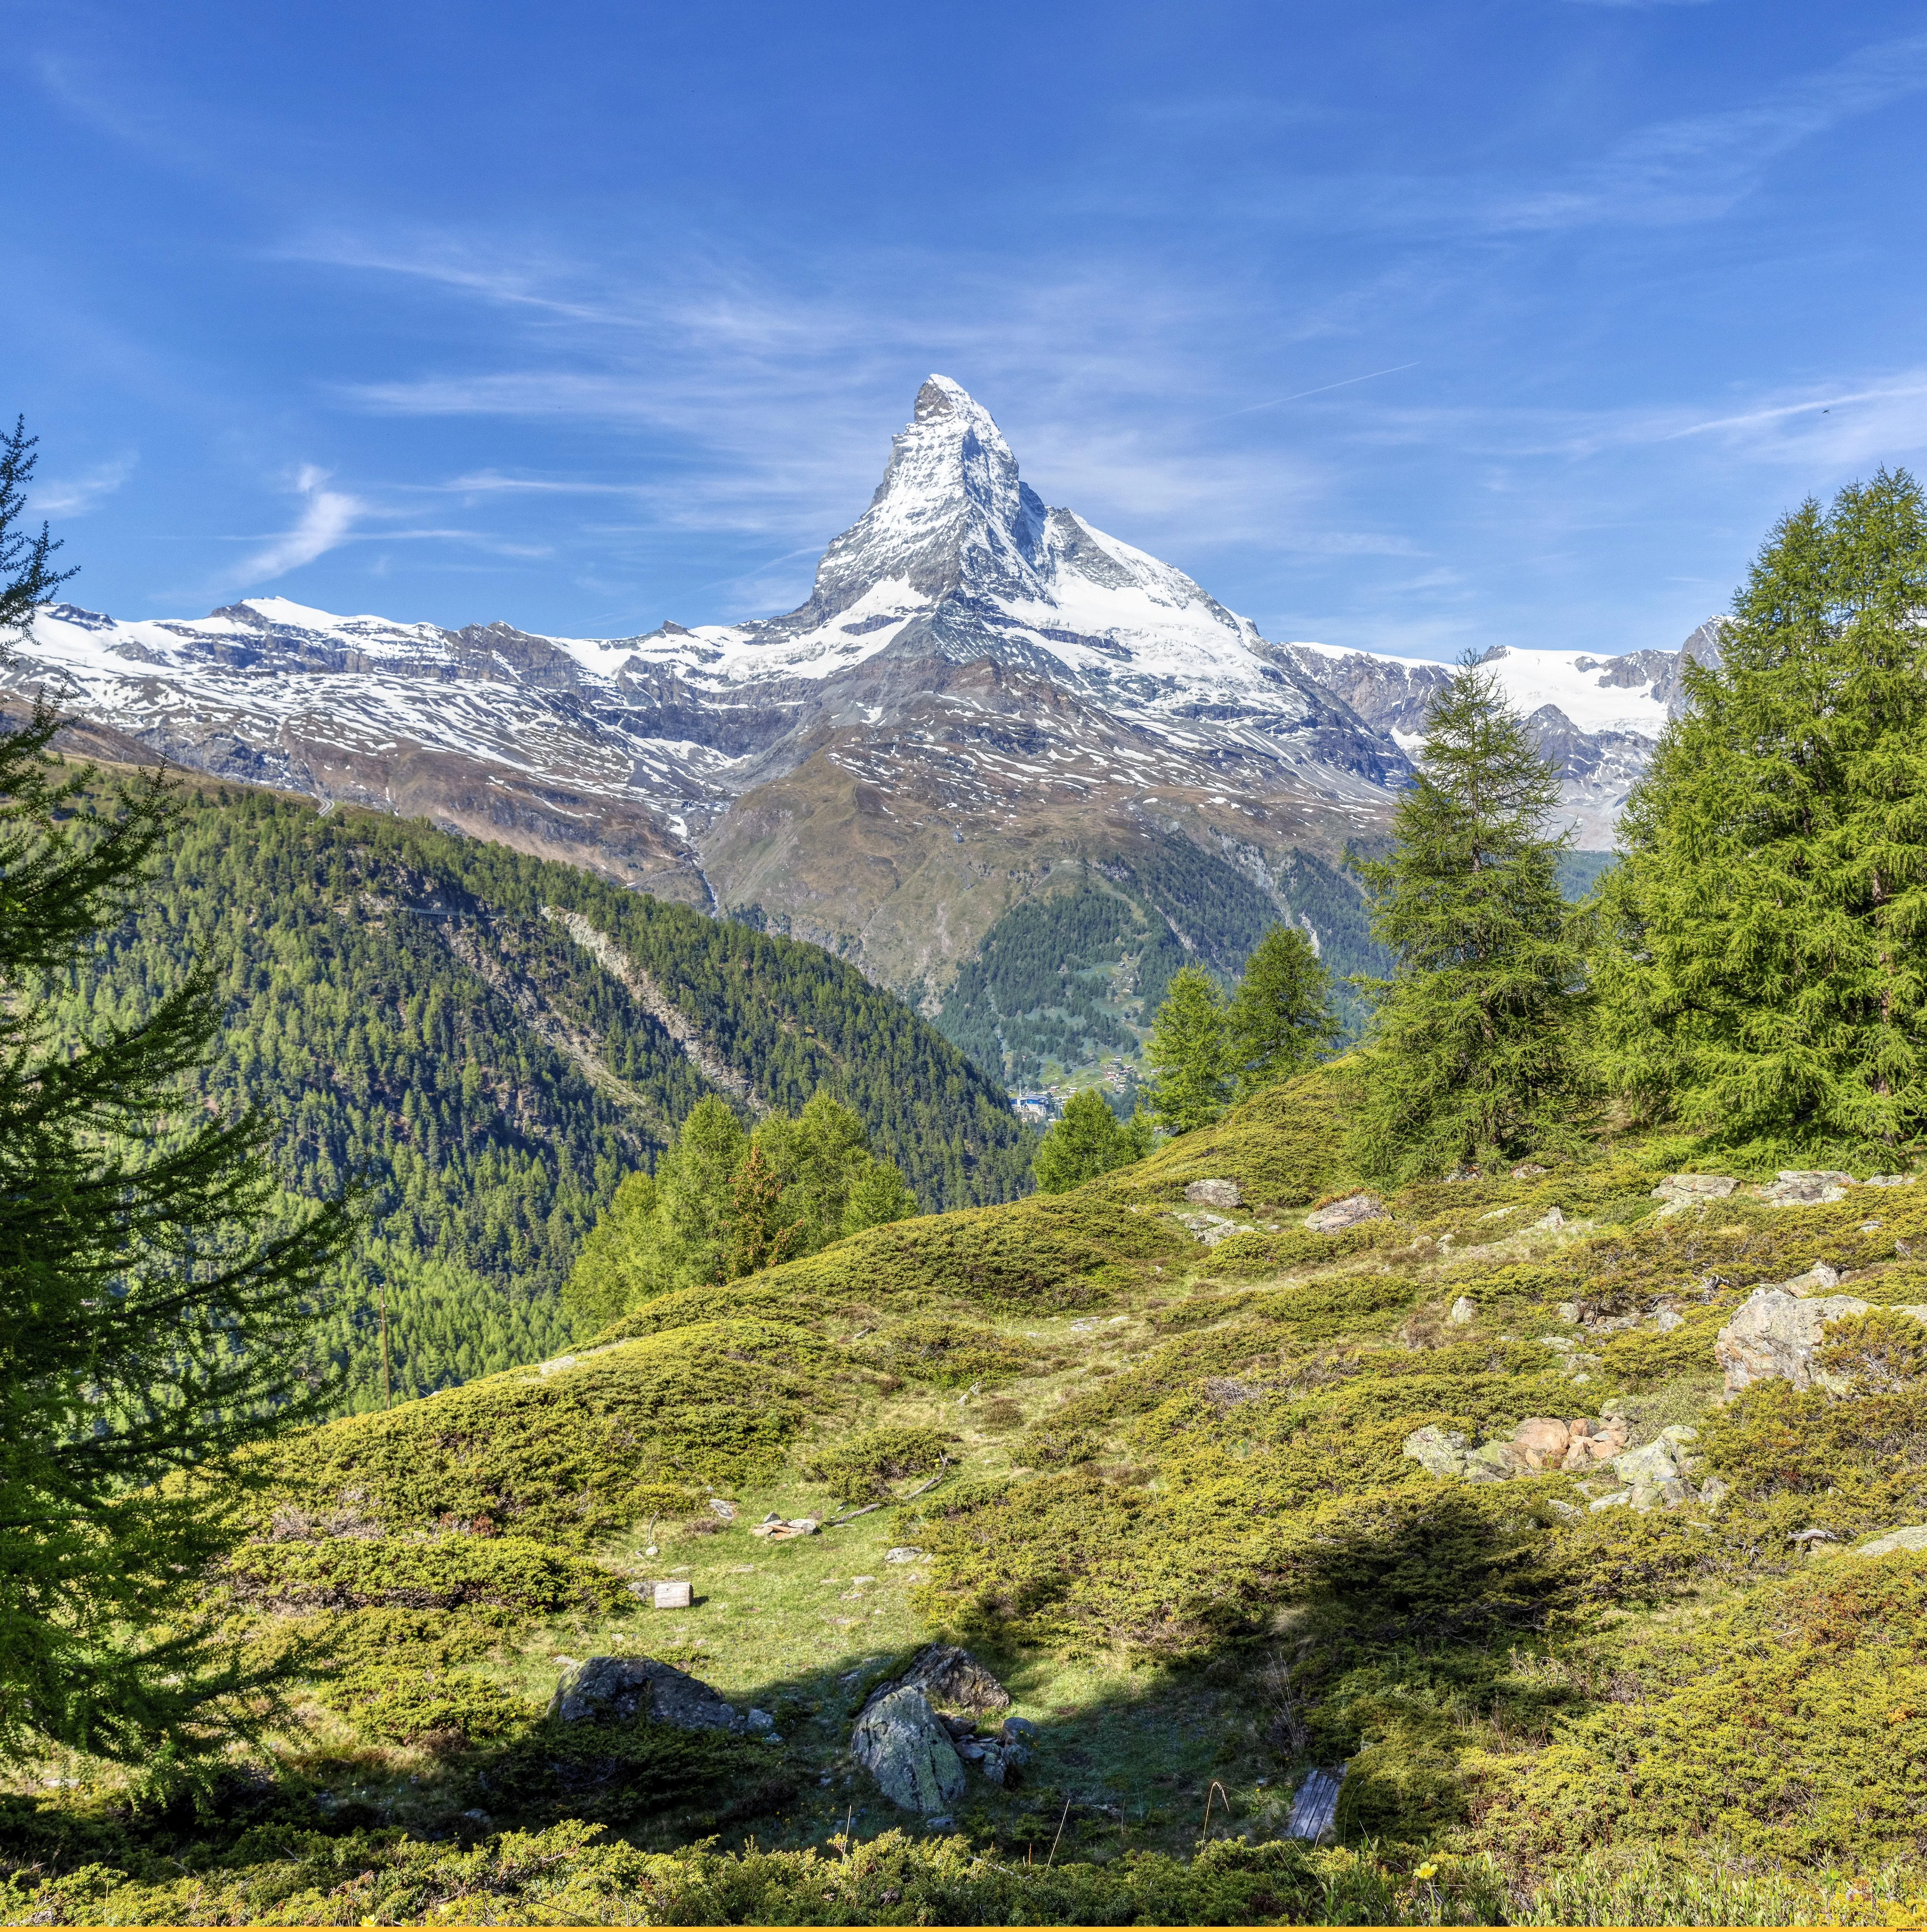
[972, 673]
[951, 513]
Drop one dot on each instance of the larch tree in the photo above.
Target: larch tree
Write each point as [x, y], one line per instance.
[1474, 1051]
[1190, 1054]
[158, 1293]
[1087, 1141]
[1279, 1020]
[1765, 979]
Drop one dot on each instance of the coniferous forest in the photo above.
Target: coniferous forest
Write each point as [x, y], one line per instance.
[405, 1009]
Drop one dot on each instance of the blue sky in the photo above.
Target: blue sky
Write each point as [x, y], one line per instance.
[1406, 327]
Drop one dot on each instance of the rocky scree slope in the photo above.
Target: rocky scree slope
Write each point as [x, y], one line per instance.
[980, 692]
[1189, 1515]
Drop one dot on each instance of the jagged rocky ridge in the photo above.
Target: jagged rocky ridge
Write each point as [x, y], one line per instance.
[979, 691]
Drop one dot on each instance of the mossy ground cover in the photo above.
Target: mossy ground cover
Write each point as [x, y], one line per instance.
[1175, 1516]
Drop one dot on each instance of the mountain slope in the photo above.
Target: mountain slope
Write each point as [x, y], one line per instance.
[982, 697]
[491, 1041]
[1218, 1518]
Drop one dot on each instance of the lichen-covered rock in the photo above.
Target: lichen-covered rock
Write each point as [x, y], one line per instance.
[1438, 1452]
[1806, 1187]
[1774, 1334]
[1209, 1228]
[1352, 1212]
[901, 1741]
[1914, 1536]
[1215, 1194]
[622, 1690]
[1463, 1311]
[952, 1679]
[1692, 1190]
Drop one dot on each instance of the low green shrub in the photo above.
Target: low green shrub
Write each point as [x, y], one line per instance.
[354, 1573]
[950, 1353]
[571, 1454]
[861, 1470]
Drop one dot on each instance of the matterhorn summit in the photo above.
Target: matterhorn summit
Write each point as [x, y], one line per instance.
[981, 696]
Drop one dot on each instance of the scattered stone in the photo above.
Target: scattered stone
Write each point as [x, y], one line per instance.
[1209, 1228]
[778, 1531]
[1352, 1212]
[1006, 1755]
[1807, 1187]
[1571, 1311]
[1215, 1194]
[1692, 1190]
[620, 1689]
[726, 1511]
[1889, 1180]
[1618, 1499]
[1464, 1173]
[1553, 1218]
[672, 1596]
[1464, 1311]
[1811, 1536]
[1714, 1491]
[904, 1552]
[900, 1742]
[1914, 1536]
[1528, 1170]
[1773, 1335]
[760, 1721]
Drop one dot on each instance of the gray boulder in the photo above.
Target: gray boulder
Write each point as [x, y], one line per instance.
[1807, 1187]
[1914, 1536]
[1354, 1210]
[1438, 1452]
[1774, 1334]
[1692, 1190]
[1215, 1194]
[952, 1679]
[622, 1690]
[904, 1745]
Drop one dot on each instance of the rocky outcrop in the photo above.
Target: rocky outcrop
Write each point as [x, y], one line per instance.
[1215, 1194]
[1692, 1190]
[1353, 1211]
[952, 1679]
[1539, 1444]
[1806, 1187]
[1773, 1334]
[902, 1743]
[624, 1690]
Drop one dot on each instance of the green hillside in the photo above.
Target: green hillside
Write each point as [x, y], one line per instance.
[410, 1009]
[1067, 982]
[1178, 1518]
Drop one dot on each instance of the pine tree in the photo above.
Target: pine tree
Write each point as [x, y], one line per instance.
[1189, 1051]
[1474, 1051]
[1280, 1020]
[1088, 1140]
[157, 1305]
[1767, 981]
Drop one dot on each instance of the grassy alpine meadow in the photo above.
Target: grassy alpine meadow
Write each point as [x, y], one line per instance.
[1159, 1485]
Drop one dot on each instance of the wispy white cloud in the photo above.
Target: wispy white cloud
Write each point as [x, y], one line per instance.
[326, 521]
[75, 496]
[1697, 167]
